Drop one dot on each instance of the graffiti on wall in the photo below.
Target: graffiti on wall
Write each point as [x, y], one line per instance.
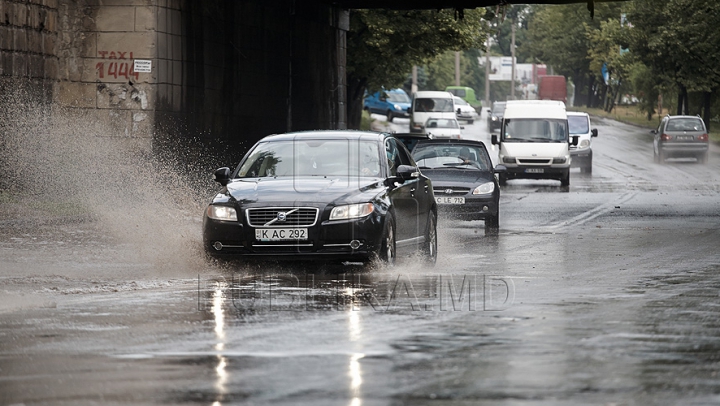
[116, 64]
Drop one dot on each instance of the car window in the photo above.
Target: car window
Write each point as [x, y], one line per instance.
[578, 124]
[685, 124]
[435, 156]
[398, 98]
[308, 157]
[392, 155]
[434, 104]
[461, 102]
[498, 109]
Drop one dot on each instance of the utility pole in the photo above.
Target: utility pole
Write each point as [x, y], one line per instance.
[486, 103]
[414, 87]
[457, 68]
[512, 54]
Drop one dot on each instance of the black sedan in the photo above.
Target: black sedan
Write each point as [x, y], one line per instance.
[323, 195]
[463, 179]
[495, 116]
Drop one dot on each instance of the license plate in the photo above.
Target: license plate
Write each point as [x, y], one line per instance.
[684, 137]
[449, 200]
[281, 234]
[534, 170]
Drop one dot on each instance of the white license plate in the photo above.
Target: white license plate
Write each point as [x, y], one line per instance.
[449, 200]
[684, 138]
[535, 170]
[281, 234]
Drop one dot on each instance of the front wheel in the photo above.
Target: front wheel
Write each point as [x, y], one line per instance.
[470, 121]
[429, 251]
[492, 224]
[389, 116]
[565, 180]
[502, 179]
[386, 252]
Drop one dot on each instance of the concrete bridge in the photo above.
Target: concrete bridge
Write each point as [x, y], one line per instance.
[214, 69]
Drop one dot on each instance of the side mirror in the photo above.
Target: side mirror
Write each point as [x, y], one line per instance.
[409, 109]
[594, 132]
[500, 168]
[406, 172]
[494, 139]
[222, 176]
[653, 131]
[459, 111]
[462, 127]
[488, 110]
[574, 140]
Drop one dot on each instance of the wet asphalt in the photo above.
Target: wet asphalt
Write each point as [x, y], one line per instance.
[603, 293]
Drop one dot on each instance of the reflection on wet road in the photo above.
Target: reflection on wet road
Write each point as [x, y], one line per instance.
[605, 293]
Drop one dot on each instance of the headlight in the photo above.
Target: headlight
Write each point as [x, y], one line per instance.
[223, 213]
[559, 160]
[351, 211]
[508, 159]
[584, 144]
[484, 189]
[494, 119]
[396, 107]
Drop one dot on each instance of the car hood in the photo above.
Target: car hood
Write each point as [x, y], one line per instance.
[306, 189]
[454, 176]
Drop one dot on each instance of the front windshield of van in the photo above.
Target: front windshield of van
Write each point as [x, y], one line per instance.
[398, 97]
[535, 130]
[434, 104]
[578, 124]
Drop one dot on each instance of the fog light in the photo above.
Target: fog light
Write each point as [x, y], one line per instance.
[355, 244]
[485, 208]
[217, 245]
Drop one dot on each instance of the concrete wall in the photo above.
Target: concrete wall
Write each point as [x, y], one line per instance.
[223, 70]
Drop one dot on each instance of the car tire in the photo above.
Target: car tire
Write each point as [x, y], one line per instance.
[656, 157]
[429, 251]
[565, 179]
[387, 253]
[470, 122]
[389, 116]
[661, 157]
[492, 224]
[502, 179]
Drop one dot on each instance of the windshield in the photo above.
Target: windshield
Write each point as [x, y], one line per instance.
[398, 97]
[307, 157]
[685, 124]
[498, 109]
[434, 105]
[461, 102]
[434, 156]
[535, 130]
[578, 124]
[457, 92]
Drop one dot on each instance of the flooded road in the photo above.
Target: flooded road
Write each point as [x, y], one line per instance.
[603, 293]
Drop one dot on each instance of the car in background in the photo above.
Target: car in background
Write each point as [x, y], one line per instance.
[391, 103]
[468, 94]
[581, 154]
[463, 179]
[443, 128]
[495, 116]
[464, 111]
[430, 104]
[323, 195]
[681, 137]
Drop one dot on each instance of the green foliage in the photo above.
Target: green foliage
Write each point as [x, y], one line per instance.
[645, 88]
[383, 44]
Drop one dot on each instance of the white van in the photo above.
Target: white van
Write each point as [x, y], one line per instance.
[534, 141]
[430, 104]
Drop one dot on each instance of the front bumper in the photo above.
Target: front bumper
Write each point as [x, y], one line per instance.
[536, 171]
[327, 240]
[475, 208]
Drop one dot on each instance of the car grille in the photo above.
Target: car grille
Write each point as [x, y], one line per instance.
[271, 216]
[535, 161]
[455, 191]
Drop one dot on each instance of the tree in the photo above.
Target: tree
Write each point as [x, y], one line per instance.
[384, 44]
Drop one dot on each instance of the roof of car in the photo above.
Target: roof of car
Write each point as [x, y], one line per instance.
[684, 116]
[577, 113]
[328, 134]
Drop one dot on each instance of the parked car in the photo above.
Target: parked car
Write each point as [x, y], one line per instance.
[495, 116]
[392, 103]
[463, 179]
[464, 111]
[323, 195]
[681, 137]
[581, 154]
[443, 128]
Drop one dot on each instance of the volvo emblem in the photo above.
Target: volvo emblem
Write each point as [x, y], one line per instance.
[448, 191]
[281, 216]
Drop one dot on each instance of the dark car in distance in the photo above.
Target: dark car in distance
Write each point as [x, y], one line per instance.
[323, 195]
[463, 179]
[495, 116]
[681, 137]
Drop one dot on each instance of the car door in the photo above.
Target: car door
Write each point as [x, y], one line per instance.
[403, 199]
